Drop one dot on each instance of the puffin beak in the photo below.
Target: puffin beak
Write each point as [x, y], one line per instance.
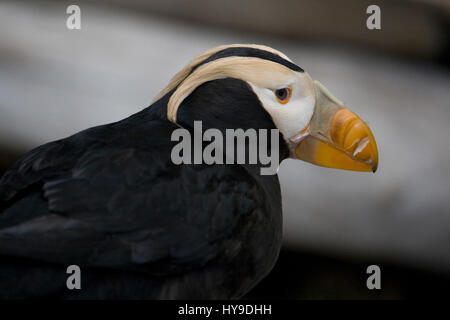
[335, 137]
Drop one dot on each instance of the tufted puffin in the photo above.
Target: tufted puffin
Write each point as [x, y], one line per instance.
[111, 201]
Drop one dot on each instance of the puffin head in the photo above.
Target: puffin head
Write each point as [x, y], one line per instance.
[255, 86]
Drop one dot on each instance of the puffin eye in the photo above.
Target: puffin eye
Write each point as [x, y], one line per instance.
[283, 95]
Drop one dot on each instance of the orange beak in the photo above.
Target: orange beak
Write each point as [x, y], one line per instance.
[336, 137]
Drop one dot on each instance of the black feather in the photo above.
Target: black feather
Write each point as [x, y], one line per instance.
[249, 52]
[110, 200]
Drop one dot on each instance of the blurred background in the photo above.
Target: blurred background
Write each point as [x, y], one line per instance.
[55, 82]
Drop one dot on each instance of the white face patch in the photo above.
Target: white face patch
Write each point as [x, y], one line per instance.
[295, 115]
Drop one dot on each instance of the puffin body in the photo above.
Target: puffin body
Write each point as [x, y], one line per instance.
[110, 199]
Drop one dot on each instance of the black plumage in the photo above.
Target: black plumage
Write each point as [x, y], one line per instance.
[249, 52]
[110, 200]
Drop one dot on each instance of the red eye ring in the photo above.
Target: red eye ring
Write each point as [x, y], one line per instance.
[283, 95]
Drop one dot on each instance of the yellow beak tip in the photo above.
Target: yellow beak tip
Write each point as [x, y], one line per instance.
[375, 166]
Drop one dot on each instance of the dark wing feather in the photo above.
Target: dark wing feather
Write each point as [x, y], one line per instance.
[101, 199]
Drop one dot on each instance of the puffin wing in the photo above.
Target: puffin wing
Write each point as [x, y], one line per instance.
[93, 202]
